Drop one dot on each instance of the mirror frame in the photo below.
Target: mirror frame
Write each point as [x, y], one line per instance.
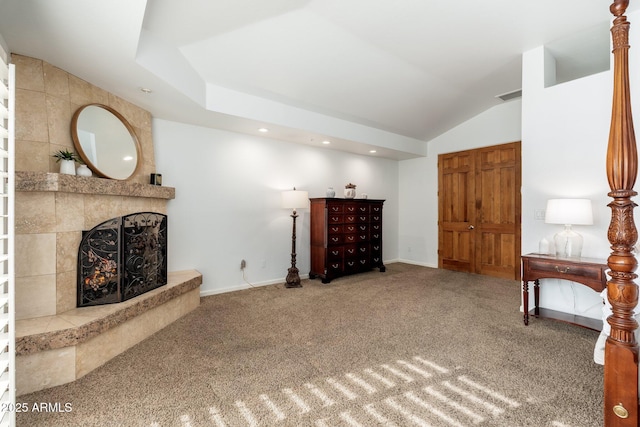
[83, 156]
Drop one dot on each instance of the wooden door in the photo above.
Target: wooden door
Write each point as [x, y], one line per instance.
[479, 211]
[456, 211]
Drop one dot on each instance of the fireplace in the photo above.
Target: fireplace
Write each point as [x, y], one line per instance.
[122, 258]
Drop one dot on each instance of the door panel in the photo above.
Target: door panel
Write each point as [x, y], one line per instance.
[456, 211]
[498, 255]
[498, 187]
[479, 210]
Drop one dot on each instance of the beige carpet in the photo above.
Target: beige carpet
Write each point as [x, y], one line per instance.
[413, 346]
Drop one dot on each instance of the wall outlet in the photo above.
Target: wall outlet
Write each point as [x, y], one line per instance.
[243, 264]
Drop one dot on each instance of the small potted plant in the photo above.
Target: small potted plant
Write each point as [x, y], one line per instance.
[67, 160]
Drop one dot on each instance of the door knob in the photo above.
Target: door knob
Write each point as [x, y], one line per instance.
[471, 227]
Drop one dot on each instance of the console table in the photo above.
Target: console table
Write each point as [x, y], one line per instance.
[590, 272]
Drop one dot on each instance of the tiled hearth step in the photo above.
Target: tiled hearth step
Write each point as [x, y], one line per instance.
[54, 350]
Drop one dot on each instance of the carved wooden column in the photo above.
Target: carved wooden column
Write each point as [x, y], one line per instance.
[621, 349]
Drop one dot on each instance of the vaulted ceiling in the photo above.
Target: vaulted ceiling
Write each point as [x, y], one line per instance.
[363, 74]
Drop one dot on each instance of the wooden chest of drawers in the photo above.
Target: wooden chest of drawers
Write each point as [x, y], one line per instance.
[346, 237]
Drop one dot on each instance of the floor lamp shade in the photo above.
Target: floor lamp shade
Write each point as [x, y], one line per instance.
[569, 212]
[295, 199]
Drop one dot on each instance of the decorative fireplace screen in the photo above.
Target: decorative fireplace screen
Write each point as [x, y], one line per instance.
[122, 258]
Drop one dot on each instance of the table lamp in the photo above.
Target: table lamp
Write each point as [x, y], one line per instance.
[569, 212]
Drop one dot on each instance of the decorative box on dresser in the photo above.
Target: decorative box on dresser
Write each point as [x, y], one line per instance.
[346, 237]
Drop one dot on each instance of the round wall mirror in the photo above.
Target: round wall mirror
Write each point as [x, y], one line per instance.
[105, 141]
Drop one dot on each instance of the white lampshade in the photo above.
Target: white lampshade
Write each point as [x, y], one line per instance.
[569, 211]
[295, 199]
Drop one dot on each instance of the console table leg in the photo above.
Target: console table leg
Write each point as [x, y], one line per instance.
[525, 301]
[536, 297]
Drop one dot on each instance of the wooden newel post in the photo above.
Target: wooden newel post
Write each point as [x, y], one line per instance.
[621, 348]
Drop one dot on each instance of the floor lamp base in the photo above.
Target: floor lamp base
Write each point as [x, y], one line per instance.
[293, 278]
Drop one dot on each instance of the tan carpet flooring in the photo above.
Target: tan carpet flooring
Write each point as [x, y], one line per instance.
[413, 346]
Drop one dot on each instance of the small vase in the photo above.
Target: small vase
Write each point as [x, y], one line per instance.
[331, 192]
[543, 247]
[83, 170]
[350, 191]
[68, 167]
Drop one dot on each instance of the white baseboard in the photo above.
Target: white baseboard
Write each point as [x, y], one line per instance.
[245, 285]
[409, 261]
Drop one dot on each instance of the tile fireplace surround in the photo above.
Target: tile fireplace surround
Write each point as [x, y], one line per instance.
[56, 342]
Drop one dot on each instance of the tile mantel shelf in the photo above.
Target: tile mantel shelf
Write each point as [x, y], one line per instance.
[55, 182]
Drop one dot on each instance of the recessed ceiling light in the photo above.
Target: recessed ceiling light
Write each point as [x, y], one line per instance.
[372, 151]
[325, 142]
[145, 90]
[263, 130]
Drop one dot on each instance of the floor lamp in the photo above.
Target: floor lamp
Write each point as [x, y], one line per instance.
[294, 199]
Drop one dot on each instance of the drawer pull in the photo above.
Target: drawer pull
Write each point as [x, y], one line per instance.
[620, 411]
[562, 270]
[335, 252]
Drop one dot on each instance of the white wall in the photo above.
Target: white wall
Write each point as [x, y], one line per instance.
[227, 205]
[565, 132]
[418, 235]
[570, 121]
